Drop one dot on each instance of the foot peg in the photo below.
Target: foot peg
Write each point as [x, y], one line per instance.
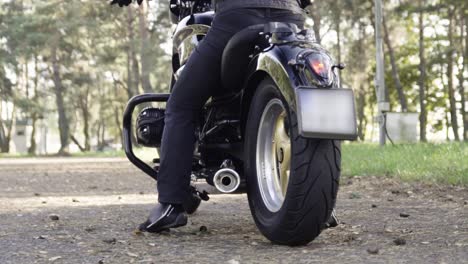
[203, 195]
[194, 200]
[156, 166]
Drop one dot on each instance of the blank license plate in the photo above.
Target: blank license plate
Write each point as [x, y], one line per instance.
[326, 113]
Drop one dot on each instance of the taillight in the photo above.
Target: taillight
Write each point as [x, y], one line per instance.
[321, 66]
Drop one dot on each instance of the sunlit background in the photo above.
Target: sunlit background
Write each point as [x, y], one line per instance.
[67, 68]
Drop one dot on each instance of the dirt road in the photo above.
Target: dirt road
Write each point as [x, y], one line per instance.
[99, 202]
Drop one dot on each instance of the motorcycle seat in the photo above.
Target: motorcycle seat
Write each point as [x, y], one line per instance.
[237, 57]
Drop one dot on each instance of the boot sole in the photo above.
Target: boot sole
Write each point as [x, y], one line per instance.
[181, 220]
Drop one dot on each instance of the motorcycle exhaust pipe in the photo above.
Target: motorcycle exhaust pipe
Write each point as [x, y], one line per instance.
[227, 180]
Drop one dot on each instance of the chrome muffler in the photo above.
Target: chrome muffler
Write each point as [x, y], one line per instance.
[227, 180]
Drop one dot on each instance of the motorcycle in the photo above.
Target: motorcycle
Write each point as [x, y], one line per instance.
[276, 131]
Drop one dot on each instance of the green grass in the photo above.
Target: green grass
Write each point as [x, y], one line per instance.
[430, 163]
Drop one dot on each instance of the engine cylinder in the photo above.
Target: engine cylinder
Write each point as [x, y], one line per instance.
[150, 127]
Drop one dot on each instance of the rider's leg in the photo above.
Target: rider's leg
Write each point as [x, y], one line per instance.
[196, 84]
[193, 88]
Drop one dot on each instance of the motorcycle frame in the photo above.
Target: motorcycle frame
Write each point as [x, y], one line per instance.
[281, 62]
[127, 132]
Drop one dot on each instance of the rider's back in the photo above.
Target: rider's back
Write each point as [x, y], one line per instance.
[292, 5]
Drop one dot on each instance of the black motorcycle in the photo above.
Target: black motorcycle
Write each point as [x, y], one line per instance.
[275, 132]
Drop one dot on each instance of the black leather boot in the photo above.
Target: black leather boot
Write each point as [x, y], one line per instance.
[163, 217]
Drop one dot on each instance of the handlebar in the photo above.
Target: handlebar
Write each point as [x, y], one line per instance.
[180, 9]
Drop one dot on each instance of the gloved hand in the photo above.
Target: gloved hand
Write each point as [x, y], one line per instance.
[124, 2]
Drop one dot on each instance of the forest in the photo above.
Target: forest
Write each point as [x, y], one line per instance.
[73, 65]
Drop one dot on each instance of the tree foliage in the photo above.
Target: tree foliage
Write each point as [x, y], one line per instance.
[76, 63]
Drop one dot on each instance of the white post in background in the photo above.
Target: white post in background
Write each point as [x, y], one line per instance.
[382, 100]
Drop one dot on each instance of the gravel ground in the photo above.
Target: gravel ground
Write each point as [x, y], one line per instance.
[86, 211]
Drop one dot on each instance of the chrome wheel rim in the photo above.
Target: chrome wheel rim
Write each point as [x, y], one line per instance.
[273, 155]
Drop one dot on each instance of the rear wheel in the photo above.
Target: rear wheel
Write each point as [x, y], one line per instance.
[292, 181]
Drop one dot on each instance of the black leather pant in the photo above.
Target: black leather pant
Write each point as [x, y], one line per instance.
[197, 83]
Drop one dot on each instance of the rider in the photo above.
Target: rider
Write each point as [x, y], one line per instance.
[191, 91]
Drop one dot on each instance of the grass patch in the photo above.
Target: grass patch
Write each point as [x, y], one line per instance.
[431, 163]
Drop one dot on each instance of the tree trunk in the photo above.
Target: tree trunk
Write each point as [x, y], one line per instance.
[133, 58]
[360, 77]
[395, 70]
[361, 106]
[84, 107]
[6, 131]
[145, 52]
[451, 90]
[314, 11]
[447, 121]
[130, 92]
[118, 116]
[2, 129]
[86, 117]
[32, 143]
[34, 116]
[2, 137]
[338, 41]
[461, 77]
[99, 143]
[86, 131]
[101, 136]
[338, 37]
[63, 122]
[10, 129]
[422, 76]
[26, 78]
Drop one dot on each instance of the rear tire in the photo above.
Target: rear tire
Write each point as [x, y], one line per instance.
[297, 217]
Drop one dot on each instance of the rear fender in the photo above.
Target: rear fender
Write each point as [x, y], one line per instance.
[272, 64]
[317, 121]
[275, 64]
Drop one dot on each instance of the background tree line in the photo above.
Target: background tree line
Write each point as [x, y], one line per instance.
[425, 52]
[78, 62]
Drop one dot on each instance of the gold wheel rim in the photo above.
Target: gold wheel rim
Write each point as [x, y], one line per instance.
[282, 147]
[273, 155]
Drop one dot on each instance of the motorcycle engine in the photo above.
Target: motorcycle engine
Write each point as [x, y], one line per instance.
[150, 127]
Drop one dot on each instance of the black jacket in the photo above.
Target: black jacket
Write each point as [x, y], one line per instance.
[292, 5]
